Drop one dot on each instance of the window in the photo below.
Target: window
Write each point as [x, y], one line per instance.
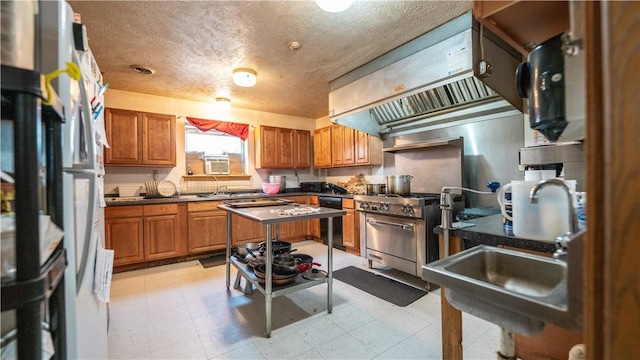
[200, 146]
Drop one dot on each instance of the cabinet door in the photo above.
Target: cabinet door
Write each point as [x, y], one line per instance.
[124, 132]
[159, 144]
[361, 147]
[314, 224]
[207, 231]
[337, 150]
[268, 144]
[125, 237]
[350, 226]
[245, 230]
[160, 237]
[322, 147]
[302, 149]
[284, 148]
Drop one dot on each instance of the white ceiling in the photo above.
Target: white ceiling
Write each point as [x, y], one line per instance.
[195, 45]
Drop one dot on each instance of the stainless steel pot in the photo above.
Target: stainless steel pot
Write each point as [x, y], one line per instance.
[282, 180]
[399, 184]
[375, 189]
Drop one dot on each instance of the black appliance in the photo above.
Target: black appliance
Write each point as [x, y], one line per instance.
[314, 187]
[541, 81]
[337, 189]
[333, 203]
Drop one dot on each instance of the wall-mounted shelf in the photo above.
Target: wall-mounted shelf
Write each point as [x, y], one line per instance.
[425, 144]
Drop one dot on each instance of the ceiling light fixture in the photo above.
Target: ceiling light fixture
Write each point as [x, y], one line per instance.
[244, 77]
[334, 5]
[222, 103]
[141, 69]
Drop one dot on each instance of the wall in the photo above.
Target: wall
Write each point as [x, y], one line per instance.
[181, 108]
[491, 150]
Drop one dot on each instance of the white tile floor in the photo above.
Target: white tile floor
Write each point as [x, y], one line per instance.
[184, 311]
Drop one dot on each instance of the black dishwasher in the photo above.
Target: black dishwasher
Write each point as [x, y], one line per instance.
[333, 203]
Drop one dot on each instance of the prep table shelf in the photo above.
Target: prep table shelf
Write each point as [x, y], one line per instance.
[300, 283]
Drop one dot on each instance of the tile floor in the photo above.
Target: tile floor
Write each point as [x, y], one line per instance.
[184, 311]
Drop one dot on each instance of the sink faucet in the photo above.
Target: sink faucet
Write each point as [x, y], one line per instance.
[562, 240]
[218, 188]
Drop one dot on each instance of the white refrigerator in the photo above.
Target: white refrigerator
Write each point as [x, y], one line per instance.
[87, 276]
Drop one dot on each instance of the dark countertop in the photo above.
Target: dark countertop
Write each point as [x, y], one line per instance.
[193, 197]
[488, 230]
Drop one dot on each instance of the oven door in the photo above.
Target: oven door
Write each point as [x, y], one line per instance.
[393, 241]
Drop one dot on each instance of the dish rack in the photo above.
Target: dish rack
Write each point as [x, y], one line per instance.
[165, 188]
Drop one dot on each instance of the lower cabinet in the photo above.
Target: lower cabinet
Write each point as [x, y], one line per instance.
[245, 230]
[294, 230]
[207, 227]
[142, 233]
[350, 227]
[314, 224]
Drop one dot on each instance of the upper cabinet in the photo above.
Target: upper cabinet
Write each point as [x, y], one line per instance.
[140, 139]
[322, 147]
[278, 148]
[338, 146]
[523, 24]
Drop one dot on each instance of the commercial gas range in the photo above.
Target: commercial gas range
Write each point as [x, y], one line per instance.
[397, 231]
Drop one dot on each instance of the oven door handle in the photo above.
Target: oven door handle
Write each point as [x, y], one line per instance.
[387, 223]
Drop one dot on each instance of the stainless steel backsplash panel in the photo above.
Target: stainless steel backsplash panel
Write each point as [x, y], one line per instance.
[491, 151]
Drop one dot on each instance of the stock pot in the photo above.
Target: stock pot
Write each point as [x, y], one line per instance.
[399, 184]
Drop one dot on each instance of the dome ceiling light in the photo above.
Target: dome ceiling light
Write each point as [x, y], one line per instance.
[244, 77]
[334, 5]
[222, 103]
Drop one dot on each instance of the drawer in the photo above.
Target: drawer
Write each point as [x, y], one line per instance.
[203, 206]
[348, 204]
[160, 209]
[296, 199]
[112, 212]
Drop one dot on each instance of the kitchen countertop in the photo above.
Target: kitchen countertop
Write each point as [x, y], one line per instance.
[488, 230]
[193, 197]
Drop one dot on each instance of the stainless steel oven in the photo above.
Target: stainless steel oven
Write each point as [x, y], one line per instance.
[398, 231]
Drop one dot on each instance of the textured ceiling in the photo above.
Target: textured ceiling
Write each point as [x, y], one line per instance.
[195, 45]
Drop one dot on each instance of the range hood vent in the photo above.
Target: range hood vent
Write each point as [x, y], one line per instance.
[407, 91]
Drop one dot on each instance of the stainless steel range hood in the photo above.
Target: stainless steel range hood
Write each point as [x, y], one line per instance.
[429, 82]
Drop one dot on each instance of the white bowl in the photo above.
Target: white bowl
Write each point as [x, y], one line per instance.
[270, 188]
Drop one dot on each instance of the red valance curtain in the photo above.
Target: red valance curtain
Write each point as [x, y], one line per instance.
[235, 129]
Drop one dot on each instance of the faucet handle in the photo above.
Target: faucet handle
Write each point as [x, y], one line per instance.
[562, 243]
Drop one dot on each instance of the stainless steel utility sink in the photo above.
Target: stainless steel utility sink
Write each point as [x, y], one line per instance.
[516, 290]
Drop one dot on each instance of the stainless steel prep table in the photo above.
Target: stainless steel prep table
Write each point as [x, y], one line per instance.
[269, 216]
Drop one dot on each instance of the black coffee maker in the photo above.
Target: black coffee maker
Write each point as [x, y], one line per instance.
[541, 81]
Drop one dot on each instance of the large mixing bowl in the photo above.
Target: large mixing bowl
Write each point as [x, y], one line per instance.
[270, 188]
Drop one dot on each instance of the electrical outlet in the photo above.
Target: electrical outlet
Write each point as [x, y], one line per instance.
[154, 174]
[484, 68]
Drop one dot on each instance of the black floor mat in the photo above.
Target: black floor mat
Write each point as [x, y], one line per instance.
[382, 287]
[213, 261]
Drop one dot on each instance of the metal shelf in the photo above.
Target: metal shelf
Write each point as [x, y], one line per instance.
[426, 144]
[300, 283]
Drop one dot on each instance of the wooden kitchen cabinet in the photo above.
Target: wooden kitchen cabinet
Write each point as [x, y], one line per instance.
[368, 149]
[342, 145]
[302, 146]
[519, 23]
[140, 139]
[245, 230]
[314, 224]
[124, 233]
[322, 147]
[338, 146]
[278, 148]
[294, 230]
[161, 231]
[142, 233]
[350, 227]
[207, 227]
